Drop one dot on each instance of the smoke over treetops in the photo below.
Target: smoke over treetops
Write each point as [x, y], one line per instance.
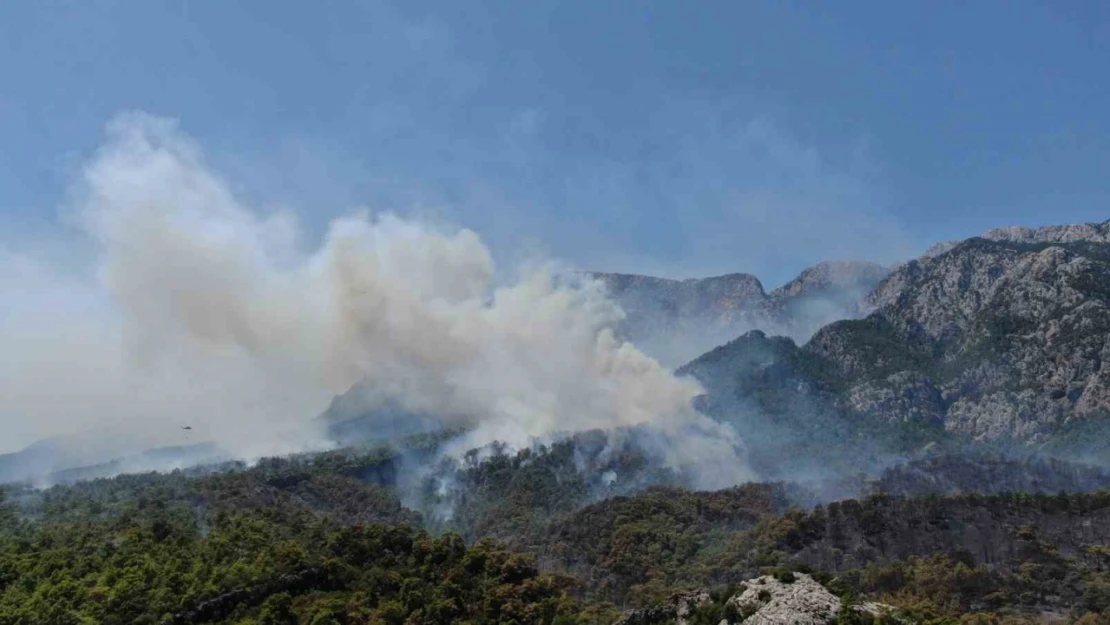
[205, 313]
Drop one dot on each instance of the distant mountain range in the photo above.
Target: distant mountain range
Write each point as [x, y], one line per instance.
[997, 340]
[676, 320]
[54, 461]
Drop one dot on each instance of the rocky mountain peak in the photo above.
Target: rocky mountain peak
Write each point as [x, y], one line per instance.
[1071, 233]
[734, 290]
[1090, 232]
[833, 275]
[729, 291]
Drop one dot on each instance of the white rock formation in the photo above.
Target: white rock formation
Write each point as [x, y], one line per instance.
[801, 602]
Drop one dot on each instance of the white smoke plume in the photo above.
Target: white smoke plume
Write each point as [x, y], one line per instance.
[206, 313]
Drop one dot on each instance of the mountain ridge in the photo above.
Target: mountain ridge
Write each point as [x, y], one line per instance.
[995, 339]
[675, 320]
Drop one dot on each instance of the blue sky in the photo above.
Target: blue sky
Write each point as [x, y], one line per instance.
[680, 138]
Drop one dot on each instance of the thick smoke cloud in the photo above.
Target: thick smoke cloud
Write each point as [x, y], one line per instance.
[206, 313]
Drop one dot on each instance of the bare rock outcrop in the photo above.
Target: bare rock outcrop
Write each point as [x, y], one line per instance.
[1011, 335]
[803, 601]
[1093, 233]
[996, 339]
[795, 600]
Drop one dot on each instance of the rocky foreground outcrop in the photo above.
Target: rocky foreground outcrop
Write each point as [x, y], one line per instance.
[792, 599]
[798, 601]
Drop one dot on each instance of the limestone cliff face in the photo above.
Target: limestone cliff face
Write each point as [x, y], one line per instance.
[995, 338]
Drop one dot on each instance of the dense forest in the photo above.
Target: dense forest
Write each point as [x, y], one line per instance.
[353, 537]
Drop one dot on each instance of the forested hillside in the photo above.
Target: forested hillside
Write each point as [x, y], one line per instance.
[342, 537]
